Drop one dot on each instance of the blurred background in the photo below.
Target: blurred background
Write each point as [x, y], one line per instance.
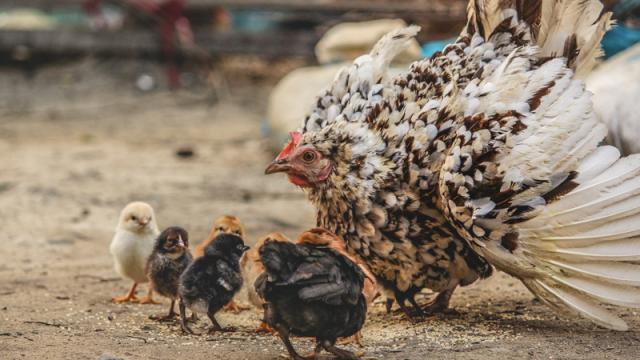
[182, 103]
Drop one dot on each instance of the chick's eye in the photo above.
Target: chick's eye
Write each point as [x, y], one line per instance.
[134, 218]
[240, 247]
[308, 156]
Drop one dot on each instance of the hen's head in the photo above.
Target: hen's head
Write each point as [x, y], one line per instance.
[306, 164]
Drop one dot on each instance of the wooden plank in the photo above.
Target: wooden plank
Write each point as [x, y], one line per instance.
[62, 42]
[419, 8]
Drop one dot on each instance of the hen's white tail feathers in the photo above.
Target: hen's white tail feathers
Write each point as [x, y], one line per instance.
[567, 300]
[567, 28]
[583, 245]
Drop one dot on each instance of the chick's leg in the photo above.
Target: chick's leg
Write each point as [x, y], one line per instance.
[354, 339]
[235, 307]
[130, 297]
[264, 328]
[167, 317]
[148, 299]
[389, 304]
[340, 353]
[283, 333]
[440, 304]
[216, 326]
[183, 319]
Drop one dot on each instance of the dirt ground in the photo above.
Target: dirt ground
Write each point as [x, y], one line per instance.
[74, 151]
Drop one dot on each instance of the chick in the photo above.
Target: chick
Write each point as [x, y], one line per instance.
[225, 224]
[131, 247]
[168, 261]
[252, 267]
[323, 237]
[311, 290]
[212, 280]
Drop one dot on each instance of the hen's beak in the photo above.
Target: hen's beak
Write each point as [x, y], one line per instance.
[278, 165]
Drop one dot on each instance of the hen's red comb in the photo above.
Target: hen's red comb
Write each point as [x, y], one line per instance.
[295, 139]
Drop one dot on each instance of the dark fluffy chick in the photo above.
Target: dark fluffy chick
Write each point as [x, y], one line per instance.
[212, 280]
[311, 291]
[169, 259]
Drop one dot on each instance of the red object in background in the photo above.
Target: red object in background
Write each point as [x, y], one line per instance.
[172, 26]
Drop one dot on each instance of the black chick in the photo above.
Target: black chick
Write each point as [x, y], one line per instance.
[169, 259]
[311, 291]
[212, 280]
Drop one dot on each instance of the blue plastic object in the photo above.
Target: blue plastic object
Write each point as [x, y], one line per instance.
[619, 39]
[434, 46]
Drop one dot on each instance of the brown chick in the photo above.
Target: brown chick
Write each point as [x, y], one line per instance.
[320, 236]
[252, 267]
[225, 224]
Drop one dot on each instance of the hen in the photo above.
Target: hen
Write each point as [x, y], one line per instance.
[311, 290]
[485, 154]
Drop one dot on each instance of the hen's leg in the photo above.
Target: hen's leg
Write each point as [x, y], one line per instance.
[440, 304]
[149, 298]
[416, 308]
[401, 298]
[167, 317]
[130, 297]
[340, 353]
[183, 319]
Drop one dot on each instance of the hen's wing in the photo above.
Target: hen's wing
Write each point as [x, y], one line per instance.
[346, 97]
[526, 182]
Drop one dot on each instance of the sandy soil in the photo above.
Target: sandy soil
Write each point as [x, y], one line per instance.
[71, 157]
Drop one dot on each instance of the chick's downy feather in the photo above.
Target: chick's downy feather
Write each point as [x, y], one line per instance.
[133, 241]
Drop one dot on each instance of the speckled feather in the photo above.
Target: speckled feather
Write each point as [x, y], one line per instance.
[439, 171]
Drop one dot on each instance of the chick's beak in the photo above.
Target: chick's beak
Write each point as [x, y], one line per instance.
[278, 165]
[245, 248]
[143, 222]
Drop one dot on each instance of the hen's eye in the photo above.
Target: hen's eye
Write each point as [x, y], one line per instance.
[308, 156]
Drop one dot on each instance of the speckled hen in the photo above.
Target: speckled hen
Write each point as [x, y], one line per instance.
[485, 154]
